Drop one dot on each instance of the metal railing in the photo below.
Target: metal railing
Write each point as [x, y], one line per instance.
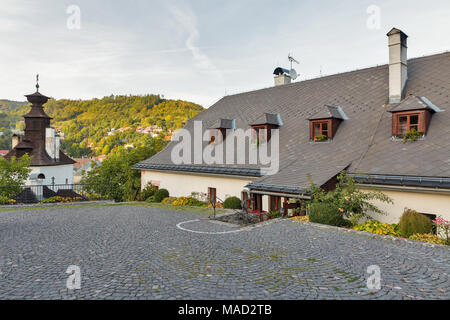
[37, 193]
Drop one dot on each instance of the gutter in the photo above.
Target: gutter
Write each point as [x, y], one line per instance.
[198, 169]
[406, 188]
[403, 182]
[275, 190]
[300, 196]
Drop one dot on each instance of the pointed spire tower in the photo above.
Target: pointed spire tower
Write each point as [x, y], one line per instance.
[42, 143]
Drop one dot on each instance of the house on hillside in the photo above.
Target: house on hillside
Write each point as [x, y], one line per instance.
[352, 121]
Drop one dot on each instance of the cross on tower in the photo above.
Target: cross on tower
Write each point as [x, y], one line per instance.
[37, 82]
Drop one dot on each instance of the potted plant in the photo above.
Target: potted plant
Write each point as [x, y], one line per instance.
[320, 137]
[412, 135]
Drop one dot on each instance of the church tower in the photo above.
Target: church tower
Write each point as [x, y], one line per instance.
[48, 163]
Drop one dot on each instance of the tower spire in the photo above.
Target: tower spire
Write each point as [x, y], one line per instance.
[37, 82]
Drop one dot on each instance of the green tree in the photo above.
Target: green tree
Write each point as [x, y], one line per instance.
[115, 178]
[13, 175]
[350, 201]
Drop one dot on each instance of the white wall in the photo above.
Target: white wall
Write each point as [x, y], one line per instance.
[437, 204]
[61, 173]
[180, 184]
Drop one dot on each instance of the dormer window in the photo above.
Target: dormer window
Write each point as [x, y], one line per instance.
[218, 130]
[261, 134]
[413, 114]
[263, 126]
[216, 135]
[324, 124]
[320, 130]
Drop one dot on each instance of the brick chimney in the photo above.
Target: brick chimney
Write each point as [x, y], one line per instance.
[398, 64]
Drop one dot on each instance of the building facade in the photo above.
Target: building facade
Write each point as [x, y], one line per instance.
[387, 126]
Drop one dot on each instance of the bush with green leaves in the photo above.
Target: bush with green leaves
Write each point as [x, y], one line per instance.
[160, 195]
[326, 213]
[115, 177]
[232, 203]
[413, 222]
[148, 192]
[13, 174]
[350, 202]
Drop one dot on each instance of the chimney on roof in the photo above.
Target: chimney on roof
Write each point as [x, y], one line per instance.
[282, 76]
[398, 64]
[16, 139]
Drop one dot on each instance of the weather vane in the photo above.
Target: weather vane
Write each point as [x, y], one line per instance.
[37, 82]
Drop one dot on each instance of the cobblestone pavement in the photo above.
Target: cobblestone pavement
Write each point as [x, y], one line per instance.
[133, 252]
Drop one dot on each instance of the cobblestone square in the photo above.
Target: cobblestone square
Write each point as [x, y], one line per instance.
[136, 252]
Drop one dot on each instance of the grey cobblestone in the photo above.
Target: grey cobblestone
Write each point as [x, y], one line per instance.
[132, 252]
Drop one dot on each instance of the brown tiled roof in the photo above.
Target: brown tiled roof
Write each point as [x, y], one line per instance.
[362, 143]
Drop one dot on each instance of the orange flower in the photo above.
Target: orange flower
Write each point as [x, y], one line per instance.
[341, 210]
[347, 198]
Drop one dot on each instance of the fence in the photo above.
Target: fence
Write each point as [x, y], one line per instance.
[37, 193]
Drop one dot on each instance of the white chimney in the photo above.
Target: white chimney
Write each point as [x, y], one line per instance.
[15, 141]
[57, 147]
[282, 76]
[50, 142]
[398, 64]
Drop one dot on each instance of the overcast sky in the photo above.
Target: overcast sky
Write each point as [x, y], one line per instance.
[199, 50]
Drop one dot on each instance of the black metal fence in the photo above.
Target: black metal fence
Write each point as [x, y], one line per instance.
[37, 193]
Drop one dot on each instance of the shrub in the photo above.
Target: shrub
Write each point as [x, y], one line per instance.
[443, 229]
[160, 195]
[427, 237]
[218, 205]
[325, 213]
[274, 214]
[232, 203]
[147, 192]
[301, 218]
[6, 200]
[374, 226]
[353, 203]
[168, 200]
[413, 222]
[59, 199]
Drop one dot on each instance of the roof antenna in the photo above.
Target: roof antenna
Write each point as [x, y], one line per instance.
[292, 59]
[292, 71]
[37, 82]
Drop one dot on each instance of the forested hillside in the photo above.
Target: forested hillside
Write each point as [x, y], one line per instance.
[10, 114]
[88, 125]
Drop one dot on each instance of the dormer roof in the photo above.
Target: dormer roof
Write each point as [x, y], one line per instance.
[222, 124]
[267, 118]
[329, 112]
[412, 103]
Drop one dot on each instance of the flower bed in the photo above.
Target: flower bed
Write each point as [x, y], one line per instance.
[384, 229]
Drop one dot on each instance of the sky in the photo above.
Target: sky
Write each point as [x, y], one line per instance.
[200, 50]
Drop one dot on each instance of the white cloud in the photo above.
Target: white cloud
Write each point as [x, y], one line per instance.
[187, 19]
